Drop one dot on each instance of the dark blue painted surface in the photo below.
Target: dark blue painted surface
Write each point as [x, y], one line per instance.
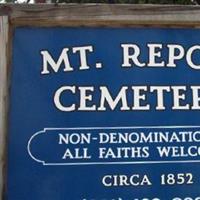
[32, 109]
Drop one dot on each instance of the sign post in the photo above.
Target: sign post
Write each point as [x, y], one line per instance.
[108, 110]
[3, 97]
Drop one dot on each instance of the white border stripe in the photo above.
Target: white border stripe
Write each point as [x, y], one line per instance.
[122, 127]
[123, 163]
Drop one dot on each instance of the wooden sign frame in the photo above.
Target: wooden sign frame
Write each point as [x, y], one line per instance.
[75, 15]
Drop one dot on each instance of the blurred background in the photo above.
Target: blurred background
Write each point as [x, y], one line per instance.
[176, 2]
[186, 2]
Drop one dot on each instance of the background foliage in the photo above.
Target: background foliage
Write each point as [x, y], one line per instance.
[185, 2]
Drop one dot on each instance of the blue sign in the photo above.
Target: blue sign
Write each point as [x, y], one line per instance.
[104, 114]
